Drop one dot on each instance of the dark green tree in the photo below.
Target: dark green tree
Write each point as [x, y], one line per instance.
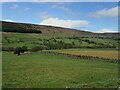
[73, 43]
[18, 50]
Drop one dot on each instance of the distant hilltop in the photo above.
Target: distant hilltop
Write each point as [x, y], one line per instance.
[34, 28]
[19, 27]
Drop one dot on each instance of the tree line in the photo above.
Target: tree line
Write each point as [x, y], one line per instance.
[18, 29]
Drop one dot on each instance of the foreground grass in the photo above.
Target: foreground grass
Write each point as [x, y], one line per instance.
[54, 71]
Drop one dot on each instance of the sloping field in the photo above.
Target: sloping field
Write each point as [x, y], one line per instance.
[55, 71]
[104, 54]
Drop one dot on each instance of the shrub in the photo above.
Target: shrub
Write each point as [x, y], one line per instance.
[37, 48]
[18, 50]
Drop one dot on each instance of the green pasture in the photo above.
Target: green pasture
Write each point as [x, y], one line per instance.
[55, 71]
[31, 40]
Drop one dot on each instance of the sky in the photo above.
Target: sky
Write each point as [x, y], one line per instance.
[90, 16]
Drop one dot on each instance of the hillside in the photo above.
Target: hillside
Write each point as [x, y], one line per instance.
[38, 46]
[12, 27]
[34, 28]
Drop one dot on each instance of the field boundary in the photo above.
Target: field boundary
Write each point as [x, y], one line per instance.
[79, 56]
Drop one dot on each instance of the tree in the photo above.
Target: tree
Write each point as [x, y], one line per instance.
[18, 50]
[80, 41]
[73, 43]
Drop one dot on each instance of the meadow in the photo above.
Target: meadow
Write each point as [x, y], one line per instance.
[55, 71]
[31, 40]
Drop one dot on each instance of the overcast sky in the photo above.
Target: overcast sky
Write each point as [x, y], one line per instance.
[90, 16]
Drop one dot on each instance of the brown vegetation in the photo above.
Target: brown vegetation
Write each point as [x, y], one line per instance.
[104, 54]
[46, 29]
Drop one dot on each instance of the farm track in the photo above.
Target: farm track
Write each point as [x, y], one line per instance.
[78, 56]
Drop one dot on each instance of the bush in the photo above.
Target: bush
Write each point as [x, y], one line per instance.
[20, 50]
[37, 48]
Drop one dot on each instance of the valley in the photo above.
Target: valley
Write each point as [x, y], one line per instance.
[39, 69]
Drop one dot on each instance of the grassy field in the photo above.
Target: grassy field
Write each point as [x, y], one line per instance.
[54, 71]
[32, 39]
[104, 54]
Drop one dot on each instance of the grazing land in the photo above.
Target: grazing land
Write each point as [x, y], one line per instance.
[54, 71]
[42, 70]
[31, 40]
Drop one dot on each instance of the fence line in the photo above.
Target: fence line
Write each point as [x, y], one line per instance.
[79, 56]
